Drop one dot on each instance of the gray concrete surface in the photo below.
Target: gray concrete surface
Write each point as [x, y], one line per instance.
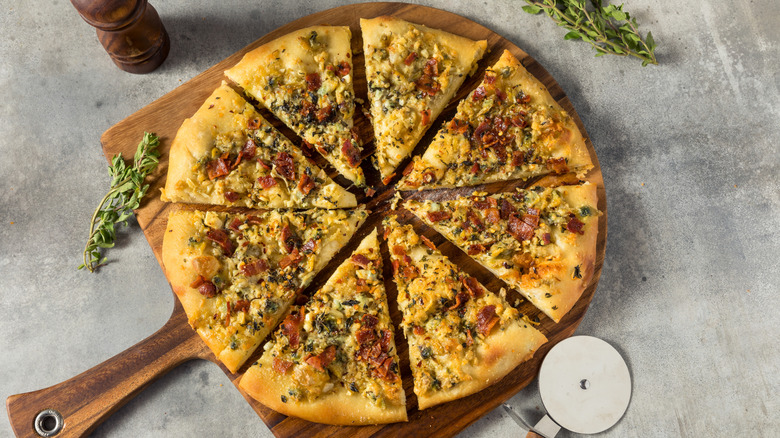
[689, 151]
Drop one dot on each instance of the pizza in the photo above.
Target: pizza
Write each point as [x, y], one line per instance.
[228, 154]
[305, 79]
[462, 337]
[540, 241]
[237, 274]
[412, 72]
[509, 127]
[334, 360]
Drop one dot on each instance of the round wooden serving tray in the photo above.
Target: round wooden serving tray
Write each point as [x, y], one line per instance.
[89, 398]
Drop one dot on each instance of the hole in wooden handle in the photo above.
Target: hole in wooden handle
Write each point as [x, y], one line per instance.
[48, 423]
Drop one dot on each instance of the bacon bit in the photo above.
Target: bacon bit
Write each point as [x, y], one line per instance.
[458, 126]
[313, 81]
[428, 177]
[281, 366]
[557, 165]
[483, 127]
[470, 339]
[546, 238]
[227, 316]
[309, 247]
[361, 285]
[436, 216]
[253, 123]
[291, 326]
[344, 68]
[384, 370]
[489, 79]
[254, 220]
[575, 225]
[525, 99]
[507, 209]
[370, 192]
[290, 259]
[222, 239]
[409, 272]
[323, 359]
[431, 67]
[483, 204]
[473, 221]
[285, 166]
[351, 153]
[410, 59]
[399, 250]
[428, 242]
[369, 321]
[472, 285]
[217, 168]
[255, 267]
[396, 265]
[241, 306]
[307, 149]
[408, 169]
[519, 120]
[265, 165]
[231, 196]
[365, 336]
[486, 319]
[520, 230]
[479, 93]
[475, 249]
[305, 184]
[492, 216]
[290, 240]
[324, 113]
[426, 117]
[361, 260]
[249, 150]
[266, 182]
[428, 84]
[475, 168]
[419, 331]
[501, 95]
[234, 224]
[460, 299]
[307, 108]
[531, 219]
[518, 158]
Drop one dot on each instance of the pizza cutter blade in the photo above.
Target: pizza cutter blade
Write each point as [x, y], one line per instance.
[585, 387]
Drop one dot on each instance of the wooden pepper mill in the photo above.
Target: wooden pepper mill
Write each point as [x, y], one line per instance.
[130, 31]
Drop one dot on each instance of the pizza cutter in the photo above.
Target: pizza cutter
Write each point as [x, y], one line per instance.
[585, 388]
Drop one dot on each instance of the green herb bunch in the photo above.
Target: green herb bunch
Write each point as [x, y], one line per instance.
[610, 30]
[127, 190]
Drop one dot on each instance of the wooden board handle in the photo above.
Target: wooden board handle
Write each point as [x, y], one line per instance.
[89, 398]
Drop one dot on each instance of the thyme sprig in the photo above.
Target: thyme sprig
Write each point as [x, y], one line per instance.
[127, 190]
[610, 29]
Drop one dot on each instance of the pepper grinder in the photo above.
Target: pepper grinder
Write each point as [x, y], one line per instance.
[130, 31]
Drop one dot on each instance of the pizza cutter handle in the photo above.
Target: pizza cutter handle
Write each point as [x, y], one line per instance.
[75, 407]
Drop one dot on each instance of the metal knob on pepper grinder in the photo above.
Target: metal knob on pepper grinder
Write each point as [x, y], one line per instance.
[130, 31]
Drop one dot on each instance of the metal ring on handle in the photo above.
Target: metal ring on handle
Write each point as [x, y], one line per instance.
[48, 423]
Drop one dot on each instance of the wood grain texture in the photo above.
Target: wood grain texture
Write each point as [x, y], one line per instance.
[165, 115]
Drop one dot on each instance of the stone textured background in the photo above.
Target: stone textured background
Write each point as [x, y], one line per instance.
[690, 156]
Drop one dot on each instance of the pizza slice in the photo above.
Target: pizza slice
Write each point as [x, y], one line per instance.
[412, 72]
[237, 274]
[509, 127]
[462, 337]
[305, 79]
[540, 241]
[228, 154]
[334, 360]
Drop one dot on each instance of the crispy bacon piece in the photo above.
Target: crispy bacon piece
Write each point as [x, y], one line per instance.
[309, 247]
[458, 126]
[490, 79]
[265, 165]
[254, 220]
[221, 238]
[281, 366]
[428, 84]
[473, 221]
[575, 225]
[266, 182]
[546, 238]
[472, 285]
[290, 259]
[501, 95]
[431, 67]
[483, 204]
[519, 230]
[218, 168]
[428, 177]
[365, 336]
[255, 267]
[361, 260]
[235, 223]
[323, 359]
[249, 150]
[419, 331]
[519, 120]
[475, 249]
[253, 123]
[324, 113]
[460, 299]
[492, 216]
[518, 158]
[231, 196]
[369, 321]
[241, 306]
[361, 285]
[313, 81]
[479, 93]
[557, 165]
[506, 209]
[307, 149]
[285, 166]
[428, 242]
[530, 218]
[436, 216]
[525, 98]
[307, 109]
[475, 168]
[486, 319]
[384, 370]
[409, 272]
[290, 240]
[291, 328]
[343, 69]
[408, 169]
[305, 184]
[426, 116]
[410, 59]
[351, 153]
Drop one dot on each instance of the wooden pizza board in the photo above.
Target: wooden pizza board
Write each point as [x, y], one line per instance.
[103, 389]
